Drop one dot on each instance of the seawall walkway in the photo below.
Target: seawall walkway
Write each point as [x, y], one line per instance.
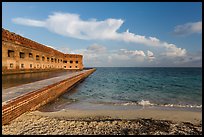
[11, 93]
[27, 97]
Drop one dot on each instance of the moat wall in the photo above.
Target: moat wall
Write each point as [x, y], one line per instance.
[35, 99]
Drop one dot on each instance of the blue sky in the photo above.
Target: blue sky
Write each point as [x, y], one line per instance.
[132, 34]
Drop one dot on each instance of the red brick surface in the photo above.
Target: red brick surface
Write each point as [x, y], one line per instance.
[33, 100]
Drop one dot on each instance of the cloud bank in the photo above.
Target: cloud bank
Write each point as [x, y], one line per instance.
[71, 25]
[99, 55]
[93, 57]
[188, 28]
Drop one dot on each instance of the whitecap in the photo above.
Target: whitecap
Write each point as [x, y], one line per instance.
[145, 103]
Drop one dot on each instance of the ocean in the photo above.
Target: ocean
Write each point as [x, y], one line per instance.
[133, 88]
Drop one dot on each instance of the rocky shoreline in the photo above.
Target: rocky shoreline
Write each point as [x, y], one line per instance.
[31, 124]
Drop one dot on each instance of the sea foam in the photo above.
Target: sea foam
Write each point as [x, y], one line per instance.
[145, 103]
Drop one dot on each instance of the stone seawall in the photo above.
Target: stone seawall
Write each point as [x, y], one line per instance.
[31, 101]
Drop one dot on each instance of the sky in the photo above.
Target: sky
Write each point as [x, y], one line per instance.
[113, 34]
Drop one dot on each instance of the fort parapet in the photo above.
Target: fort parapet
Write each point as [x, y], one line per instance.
[20, 55]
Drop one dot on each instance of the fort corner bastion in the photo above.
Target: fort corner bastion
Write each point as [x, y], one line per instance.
[21, 55]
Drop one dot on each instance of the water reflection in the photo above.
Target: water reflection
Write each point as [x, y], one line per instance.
[19, 79]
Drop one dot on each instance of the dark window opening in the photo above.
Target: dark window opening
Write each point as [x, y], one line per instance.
[43, 58]
[71, 61]
[51, 59]
[30, 55]
[31, 65]
[10, 53]
[64, 61]
[70, 66]
[22, 65]
[64, 66]
[11, 65]
[48, 59]
[76, 62]
[55, 60]
[22, 55]
[37, 57]
[76, 66]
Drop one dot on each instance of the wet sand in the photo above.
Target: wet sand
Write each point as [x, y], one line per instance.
[88, 122]
[177, 116]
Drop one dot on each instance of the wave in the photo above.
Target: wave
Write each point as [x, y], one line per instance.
[182, 106]
[145, 103]
[148, 103]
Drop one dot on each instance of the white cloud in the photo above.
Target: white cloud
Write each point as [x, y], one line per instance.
[71, 25]
[173, 51]
[64, 49]
[150, 55]
[132, 52]
[96, 48]
[29, 22]
[153, 39]
[189, 60]
[92, 57]
[188, 28]
[99, 55]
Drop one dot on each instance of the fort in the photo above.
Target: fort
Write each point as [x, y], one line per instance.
[21, 55]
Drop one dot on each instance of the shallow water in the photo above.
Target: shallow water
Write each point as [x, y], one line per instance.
[133, 88]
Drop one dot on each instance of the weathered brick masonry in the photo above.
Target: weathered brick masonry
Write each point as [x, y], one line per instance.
[33, 100]
[20, 55]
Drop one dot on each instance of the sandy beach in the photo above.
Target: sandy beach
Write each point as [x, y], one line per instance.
[110, 122]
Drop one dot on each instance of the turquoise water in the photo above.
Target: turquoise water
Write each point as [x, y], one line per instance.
[168, 87]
